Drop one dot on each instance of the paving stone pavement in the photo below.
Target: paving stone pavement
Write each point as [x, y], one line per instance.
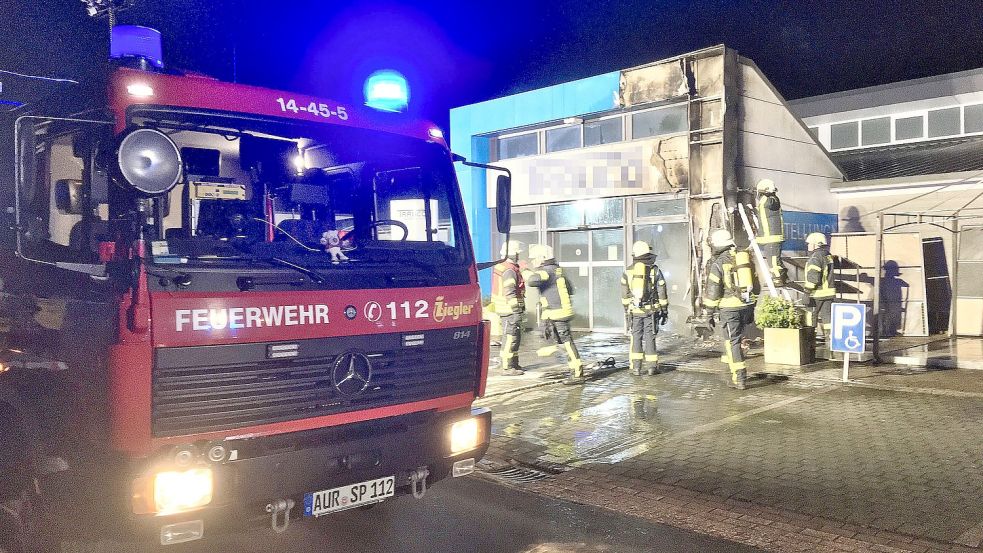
[908, 465]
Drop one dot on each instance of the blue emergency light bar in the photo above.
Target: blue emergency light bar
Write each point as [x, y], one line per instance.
[387, 90]
[132, 41]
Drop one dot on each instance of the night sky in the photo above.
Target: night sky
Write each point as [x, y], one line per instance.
[455, 53]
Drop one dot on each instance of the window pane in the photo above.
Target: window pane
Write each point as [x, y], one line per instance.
[974, 118]
[564, 138]
[604, 131]
[843, 135]
[943, 122]
[909, 127]
[604, 212]
[660, 208]
[659, 122]
[608, 245]
[607, 314]
[875, 131]
[518, 146]
[523, 218]
[564, 216]
[571, 247]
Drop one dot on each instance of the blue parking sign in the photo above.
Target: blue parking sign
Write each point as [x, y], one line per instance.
[849, 327]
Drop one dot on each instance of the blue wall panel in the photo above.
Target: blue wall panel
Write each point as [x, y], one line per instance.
[585, 96]
[799, 224]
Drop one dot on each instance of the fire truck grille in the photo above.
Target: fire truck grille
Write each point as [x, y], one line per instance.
[192, 394]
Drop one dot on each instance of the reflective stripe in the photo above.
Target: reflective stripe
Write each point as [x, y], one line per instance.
[763, 217]
[546, 351]
[663, 302]
[662, 283]
[573, 361]
[654, 357]
[507, 350]
[769, 239]
[731, 301]
[566, 306]
[710, 303]
[543, 275]
[634, 356]
[714, 277]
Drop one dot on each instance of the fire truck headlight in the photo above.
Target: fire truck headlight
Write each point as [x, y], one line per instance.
[178, 491]
[465, 435]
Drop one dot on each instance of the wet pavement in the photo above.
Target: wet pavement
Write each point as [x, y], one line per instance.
[905, 463]
[462, 516]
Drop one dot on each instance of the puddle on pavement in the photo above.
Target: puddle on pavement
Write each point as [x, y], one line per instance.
[620, 416]
[613, 430]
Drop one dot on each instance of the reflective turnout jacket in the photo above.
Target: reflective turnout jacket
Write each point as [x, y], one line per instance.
[508, 289]
[771, 226]
[554, 290]
[731, 282]
[819, 274]
[643, 288]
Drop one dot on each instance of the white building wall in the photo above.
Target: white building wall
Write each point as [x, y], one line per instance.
[775, 144]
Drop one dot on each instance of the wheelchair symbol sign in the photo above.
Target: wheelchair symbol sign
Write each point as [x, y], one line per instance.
[849, 327]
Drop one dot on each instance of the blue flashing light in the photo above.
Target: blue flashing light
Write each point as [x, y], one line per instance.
[135, 41]
[387, 90]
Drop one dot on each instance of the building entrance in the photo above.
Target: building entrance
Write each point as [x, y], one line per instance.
[593, 261]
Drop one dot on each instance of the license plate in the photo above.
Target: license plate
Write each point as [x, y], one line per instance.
[347, 497]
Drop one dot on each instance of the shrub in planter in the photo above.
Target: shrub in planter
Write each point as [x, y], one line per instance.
[777, 312]
[786, 341]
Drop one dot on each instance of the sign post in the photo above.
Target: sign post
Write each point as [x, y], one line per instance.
[849, 333]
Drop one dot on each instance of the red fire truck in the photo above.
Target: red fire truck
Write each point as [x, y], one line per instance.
[222, 303]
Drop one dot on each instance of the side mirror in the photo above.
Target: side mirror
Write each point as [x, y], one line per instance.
[503, 204]
[69, 196]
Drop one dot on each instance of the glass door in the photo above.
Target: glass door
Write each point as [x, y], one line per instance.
[593, 261]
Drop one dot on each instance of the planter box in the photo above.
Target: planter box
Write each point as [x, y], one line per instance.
[789, 346]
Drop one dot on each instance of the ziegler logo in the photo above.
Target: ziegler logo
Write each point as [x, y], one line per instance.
[250, 317]
[442, 310]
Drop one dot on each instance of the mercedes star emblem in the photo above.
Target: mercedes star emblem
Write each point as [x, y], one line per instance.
[351, 374]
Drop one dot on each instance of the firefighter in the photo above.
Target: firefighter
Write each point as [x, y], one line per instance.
[557, 307]
[730, 292]
[509, 303]
[646, 303]
[819, 281]
[771, 229]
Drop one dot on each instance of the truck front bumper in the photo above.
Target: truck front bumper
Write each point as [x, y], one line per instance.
[265, 474]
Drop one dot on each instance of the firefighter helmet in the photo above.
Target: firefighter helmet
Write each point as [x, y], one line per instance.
[540, 251]
[640, 248]
[512, 247]
[721, 238]
[816, 239]
[767, 186]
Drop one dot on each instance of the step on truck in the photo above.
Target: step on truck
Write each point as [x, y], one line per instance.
[223, 305]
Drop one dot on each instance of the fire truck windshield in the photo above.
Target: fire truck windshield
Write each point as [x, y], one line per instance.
[315, 195]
